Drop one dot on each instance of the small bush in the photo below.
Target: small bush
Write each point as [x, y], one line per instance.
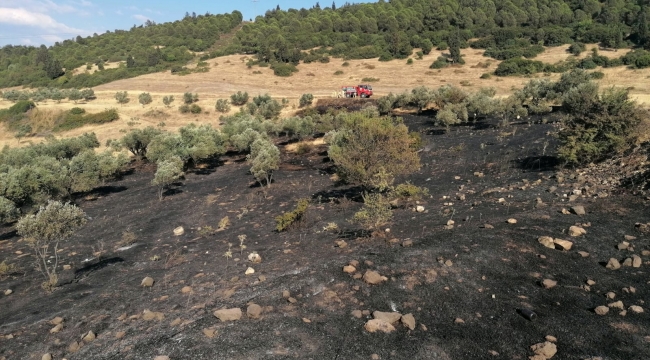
[306, 99]
[189, 98]
[290, 218]
[168, 100]
[596, 75]
[6, 269]
[122, 97]
[8, 210]
[410, 191]
[304, 148]
[486, 76]
[167, 172]
[195, 109]
[239, 98]
[345, 64]
[369, 79]
[440, 63]
[409, 61]
[224, 223]
[184, 109]
[284, 70]
[338, 72]
[222, 106]
[376, 211]
[264, 159]
[145, 98]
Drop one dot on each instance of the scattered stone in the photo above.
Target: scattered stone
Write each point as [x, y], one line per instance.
[56, 329]
[407, 243]
[622, 313]
[630, 237]
[353, 263]
[210, 332]
[349, 269]
[563, 244]
[373, 278]
[389, 317]
[636, 261]
[512, 221]
[419, 208]
[89, 336]
[176, 322]
[120, 334]
[591, 282]
[357, 314]
[186, 290]
[613, 264]
[67, 267]
[493, 353]
[645, 252]
[374, 357]
[261, 278]
[616, 305]
[254, 311]
[546, 241]
[148, 315]
[576, 231]
[623, 245]
[161, 357]
[74, 347]
[409, 321]
[305, 320]
[450, 222]
[228, 314]
[551, 338]
[488, 226]
[610, 295]
[601, 310]
[636, 309]
[249, 271]
[46, 357]
[179, 231]
[583, 254]
[546, 349]
[369, 263]
[8, 292]
[375, 325]
[286, 294]
[578, 210]
[449, 263]
[627, 262]
[147, 282]
[565, 211]
[459, 321]
[341, 243]
[292, 300]
[254, 258]
[548, 283]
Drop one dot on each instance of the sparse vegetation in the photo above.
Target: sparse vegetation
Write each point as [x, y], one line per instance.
[168, 171]
[145, 99]
[291, 218]
[122, 97]
[306, 100]
[239, 98]
[376, 211]
[222, 106]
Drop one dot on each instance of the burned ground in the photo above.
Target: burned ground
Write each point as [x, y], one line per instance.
[479, 273]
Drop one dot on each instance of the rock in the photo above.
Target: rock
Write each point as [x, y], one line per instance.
[630, 237]
[254, 311]
[623, 245]
[261, 278]
[249, 271]
[419, 208]
[409, 321]
[636, 261]
[186, 289]
[546, 241]
[493, 353]
[56, 321]
[56, 329]
[601, 310]
[636, 309]
[373, 278]
[228, 314]
[8, 292]
[67, 267]
[179, 231]
[292, 300]
[353, 263]
[583, 253]
[488, 226]
[254, 258]
[576, 231]
[459, 321]
[548, 283]
[407, 243]
[551, 338]
[616, 305]
[622, 313]
[120, 334]
[46, 357]
[613, 264]
[147, 282]
[176, 322]
[148, 315]
[578, 210]
[449, 263]
[563, 244]
[546, 349]
[389, 317]
[591, 282]
[450, 222]
[74, 347]
[349, 269]
[161, 357]
[286, 294]
[512, 221]
[209, 332]
[89, 336]
[357, 314]
[341, 243]
[375, 325]
[627, 262]
[610, 295]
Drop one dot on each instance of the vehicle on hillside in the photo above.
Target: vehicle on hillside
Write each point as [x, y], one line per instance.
[363, 91]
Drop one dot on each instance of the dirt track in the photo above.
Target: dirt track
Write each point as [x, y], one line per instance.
[493, 272]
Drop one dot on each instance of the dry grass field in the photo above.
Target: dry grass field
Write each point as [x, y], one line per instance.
[230, 74]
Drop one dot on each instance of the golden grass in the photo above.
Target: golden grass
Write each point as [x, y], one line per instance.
[230, 74]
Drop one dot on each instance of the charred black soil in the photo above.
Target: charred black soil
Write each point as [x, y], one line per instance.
[482, 274]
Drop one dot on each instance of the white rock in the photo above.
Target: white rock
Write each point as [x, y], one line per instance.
[419, 208]
[179, 231]
[249, 271]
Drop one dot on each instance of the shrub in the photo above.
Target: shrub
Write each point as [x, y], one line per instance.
[597, 125]
[369, 79]
[74, 95]
[264, 159]
[338, 72]
[145, 98]
[76, 118]
[409, 61]
[184, 109]
[195, 109]
[239, 98]
[137, 140]
[243, 141]
[167, 172]
[222, 106]
[88, 94]
[52, 224]
[189, 98]
[8, 210]
[440, 63]
[283, 69]
[306, 99]
[596, 75]
[168, 100]
[409, 191]
[486, 76]
[289, 218]
[376, 211]
[372, 151]
[345, 64]
[122, 97]
[576, 48]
